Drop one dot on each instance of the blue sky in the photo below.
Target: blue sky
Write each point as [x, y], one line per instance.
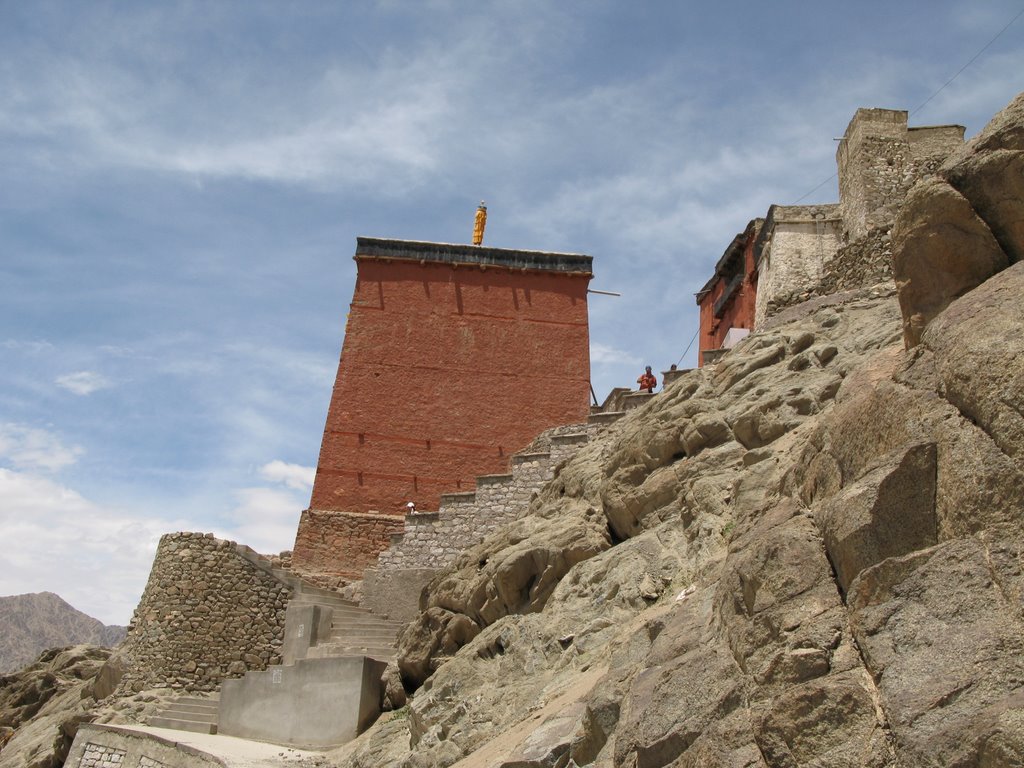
[183, 183]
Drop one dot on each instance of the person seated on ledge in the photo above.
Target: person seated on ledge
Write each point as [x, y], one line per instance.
[647, 381]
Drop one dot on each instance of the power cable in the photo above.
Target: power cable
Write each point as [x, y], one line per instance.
[942, 88]
[688, 347]
[973, 58]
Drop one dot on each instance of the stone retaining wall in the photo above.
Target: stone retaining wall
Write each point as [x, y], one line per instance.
[332, 548]
[207, 613]
[432, 540]
[861, 263]
[465, 519]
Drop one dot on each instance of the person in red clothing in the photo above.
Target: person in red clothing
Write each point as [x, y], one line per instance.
[647, 381]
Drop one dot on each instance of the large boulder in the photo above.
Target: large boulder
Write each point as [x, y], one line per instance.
[941, 632]
[941, 250]
[978, 344]
[960, 227]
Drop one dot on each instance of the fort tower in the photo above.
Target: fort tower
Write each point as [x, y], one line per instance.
[454, 357]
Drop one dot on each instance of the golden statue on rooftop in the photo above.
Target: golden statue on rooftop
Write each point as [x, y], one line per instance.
[479, 223]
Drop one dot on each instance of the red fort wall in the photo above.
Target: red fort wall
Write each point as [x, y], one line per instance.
[454, 357]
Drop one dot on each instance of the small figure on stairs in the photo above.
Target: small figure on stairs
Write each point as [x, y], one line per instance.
[410, 508]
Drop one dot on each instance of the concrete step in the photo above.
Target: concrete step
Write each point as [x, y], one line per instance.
[188, 713]
[340, 609]
[179, 724]
[333, 650]
[360, 624]
[346, 629]
[361, 638]
[310, 595]
[364, 627]
[212, 701]
[179, 708]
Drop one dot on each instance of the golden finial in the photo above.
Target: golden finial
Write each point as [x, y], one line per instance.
[479, 222]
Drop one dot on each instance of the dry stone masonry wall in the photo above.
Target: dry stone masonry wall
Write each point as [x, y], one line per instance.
[326, 538]
[861, 263]
[208, 613]
[880, 159]
[464, 519]
[432, 540]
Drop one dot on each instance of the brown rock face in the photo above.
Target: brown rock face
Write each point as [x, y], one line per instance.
[42, 706]
[960, 228]
[941, 250]
[985, 384]
[809, 555]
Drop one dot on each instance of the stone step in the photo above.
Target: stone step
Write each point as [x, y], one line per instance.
[571, 438]
[179, 724]
[605, 418]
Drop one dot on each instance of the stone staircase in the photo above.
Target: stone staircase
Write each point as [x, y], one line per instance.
[188, 713]
[319, 625]
[354, 631]
[432, 540]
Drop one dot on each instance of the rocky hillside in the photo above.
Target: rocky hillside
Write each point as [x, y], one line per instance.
[32, 623]
[808, 555]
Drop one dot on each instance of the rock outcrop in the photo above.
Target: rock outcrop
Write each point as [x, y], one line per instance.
[42, 706]
[34, 622]
[808, 554]
[962, 226]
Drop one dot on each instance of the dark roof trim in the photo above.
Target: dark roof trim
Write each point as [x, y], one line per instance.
[461, 254]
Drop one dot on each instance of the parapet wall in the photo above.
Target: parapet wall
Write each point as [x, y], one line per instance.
[879, 159]
[208, 613]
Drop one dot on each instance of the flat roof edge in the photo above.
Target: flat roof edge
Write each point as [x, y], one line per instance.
[464, 253]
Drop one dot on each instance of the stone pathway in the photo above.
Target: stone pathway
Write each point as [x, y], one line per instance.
[237, 753]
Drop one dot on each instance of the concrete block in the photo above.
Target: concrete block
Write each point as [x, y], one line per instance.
[315, 703]
[395, 594]
[302, 625]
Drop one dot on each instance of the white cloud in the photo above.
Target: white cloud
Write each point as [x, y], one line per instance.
[30, 448]
[56, 540]
[294, 476]
[603, 353]
[32, 347]
[265, 519]
[83, 382]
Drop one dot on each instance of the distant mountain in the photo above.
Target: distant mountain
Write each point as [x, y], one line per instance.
[29, 624]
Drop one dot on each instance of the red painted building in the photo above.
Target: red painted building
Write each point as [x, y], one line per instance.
[727, 300]
[454, 357]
